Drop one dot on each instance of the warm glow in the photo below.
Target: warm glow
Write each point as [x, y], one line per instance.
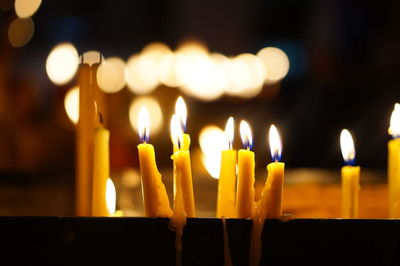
[26, 8]
[141, 74]
[111, 75]
[144, 124]
[111, 197]
[245, 134]
[20, 31]
[62, 63]
[276, 63]
[168, 71]
[347, 147]
[71, 104]
[92, 57]
[212, 142]
[176, 130]
[181, 112]
[230, 131]
[156, 50]
[394, 128]
[275, 144]
[154, 111]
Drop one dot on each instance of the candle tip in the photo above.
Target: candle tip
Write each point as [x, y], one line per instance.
[245, 134]
[275, 144]
[347, 147]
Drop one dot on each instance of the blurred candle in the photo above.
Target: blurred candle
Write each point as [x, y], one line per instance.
[156, 203]
[246, 165]
[350, 177]
[227, 176]
[101, 169]
[394, 164]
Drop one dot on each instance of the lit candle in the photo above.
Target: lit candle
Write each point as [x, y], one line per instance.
[101, 169]
[156, 203]
[111, 197]
[227, 176]
[394, 164]
[350, 177]
[246, 165]
[270, 204]
[181, 113]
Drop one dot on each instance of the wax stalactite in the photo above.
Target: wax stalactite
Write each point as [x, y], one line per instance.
[155, 198]
[85, 139]
[350, 177]
[394, 164]
[227, 177]
[101, 169]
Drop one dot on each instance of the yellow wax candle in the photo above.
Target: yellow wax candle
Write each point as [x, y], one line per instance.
[101, 171]
[350, 177]
[245, 184]
[227, 177]
[84, 142]
[155, 197]
[394, 164]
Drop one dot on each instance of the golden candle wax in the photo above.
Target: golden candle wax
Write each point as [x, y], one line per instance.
[350, 177]
[156, 203]
[245, 183]
[227, 176]
[394, 164]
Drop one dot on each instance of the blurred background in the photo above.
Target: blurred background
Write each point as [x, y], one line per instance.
[310, 67]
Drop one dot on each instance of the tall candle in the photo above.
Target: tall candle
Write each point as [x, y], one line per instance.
[245, 183]
[156, 203]
[227, 176]
[394, 164]
[101, 169]
[350, 177]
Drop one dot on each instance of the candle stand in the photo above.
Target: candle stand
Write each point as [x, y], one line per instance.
[148, 241]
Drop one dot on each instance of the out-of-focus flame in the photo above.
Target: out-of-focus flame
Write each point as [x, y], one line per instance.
[20, 31]
[230, 131]
[62, 63]
[144, 124]
[154, 109]
[276, 63]
[181, 112]
[26, 8]
[141, 74]
[111, 75]
[394, 128]
[111, 197]
[275, 144]
[176, 131]
[245, 134]
[71, 104]
[212, 141]
[347, 147]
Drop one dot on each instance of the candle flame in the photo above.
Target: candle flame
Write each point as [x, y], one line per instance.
[144, 124]
[229, 131]
[181, 112]
[245, 134]
[394, 128]
[347, 147]
[275, 144]
[111, 196]
[176, 131]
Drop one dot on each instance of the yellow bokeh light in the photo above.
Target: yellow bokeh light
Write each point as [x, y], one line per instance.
[71, 104]
[154, 109]
[168, 71]
[20, 31]
[276, 63]
[156, 50]
[111, 75]
[26, 8]
[62, 63]
[141, 74]
[212, 140]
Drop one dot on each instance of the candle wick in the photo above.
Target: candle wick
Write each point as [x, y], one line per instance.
[101, 118]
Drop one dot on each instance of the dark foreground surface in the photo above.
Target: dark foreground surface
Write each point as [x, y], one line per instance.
[148, 241]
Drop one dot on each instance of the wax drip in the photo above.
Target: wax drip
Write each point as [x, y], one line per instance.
[227, 253]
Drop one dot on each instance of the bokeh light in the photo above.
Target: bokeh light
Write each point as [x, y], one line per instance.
[71, 104]
[20, 31]
[111, 75]
[141, 74]
[156, 116]
[212, 140]
[26, 8]
[168, 71]
[276, 63]
[62, 63]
